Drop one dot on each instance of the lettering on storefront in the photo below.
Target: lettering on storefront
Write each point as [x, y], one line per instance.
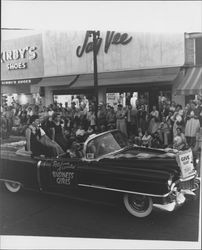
[24, 81]
[112, 38]
[28, 53]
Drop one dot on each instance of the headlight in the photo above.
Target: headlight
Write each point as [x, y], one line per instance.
[170, 180]
[197, 161]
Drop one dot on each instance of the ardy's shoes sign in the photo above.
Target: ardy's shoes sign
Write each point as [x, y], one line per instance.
[29, 53]
[22, 58]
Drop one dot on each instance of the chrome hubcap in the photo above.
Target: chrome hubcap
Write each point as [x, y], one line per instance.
[138, 202]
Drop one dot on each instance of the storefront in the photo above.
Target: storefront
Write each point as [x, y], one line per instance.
[188, 84]
[21, 67]
[130, 65]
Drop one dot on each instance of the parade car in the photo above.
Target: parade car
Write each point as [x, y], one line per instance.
[145, 177]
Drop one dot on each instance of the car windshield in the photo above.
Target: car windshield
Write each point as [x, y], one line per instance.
[106, 143]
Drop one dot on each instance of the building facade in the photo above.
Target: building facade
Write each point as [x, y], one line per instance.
[58, 66]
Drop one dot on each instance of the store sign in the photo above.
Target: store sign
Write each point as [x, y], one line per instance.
[22, 58]
[17, 55]
[111, 38]
[117, 51]
[21, 81]
[185, 162]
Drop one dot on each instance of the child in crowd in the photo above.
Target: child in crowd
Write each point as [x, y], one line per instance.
[146, 139]
[179, 141]
[138, 138]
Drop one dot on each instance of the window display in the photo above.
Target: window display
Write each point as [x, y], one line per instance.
[135, 99]
[66, 100]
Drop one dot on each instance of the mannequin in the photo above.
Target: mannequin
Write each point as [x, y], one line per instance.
[133, 100]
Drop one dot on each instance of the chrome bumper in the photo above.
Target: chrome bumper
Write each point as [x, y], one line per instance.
[179, 197]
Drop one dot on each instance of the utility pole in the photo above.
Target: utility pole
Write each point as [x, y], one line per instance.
[96, 36]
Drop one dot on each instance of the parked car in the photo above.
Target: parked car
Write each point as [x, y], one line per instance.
[145, 177]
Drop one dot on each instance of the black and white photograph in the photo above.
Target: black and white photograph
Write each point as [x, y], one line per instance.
[101, 124]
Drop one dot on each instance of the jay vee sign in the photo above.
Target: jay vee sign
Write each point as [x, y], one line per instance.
[112, 37]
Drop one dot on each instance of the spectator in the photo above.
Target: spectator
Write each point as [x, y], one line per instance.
[146, 139]
[134, 122]
[111, 118]
[14, 119]
[177, 122]
[91, 117]
[29, 112]
[179, 141]
[156, 140]
[141, 117]
[90, 131]
[154, 120]
[80, 133]
[120, 119]
[138, 138]
[101, 116]
[198, 111]
[4, 126]
[164, 131]
[173, 106]
[191, 129]
[129, 120]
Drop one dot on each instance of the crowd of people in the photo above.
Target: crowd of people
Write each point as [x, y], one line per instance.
[58, 127]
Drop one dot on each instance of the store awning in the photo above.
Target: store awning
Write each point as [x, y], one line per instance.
[127, 77]
[82, 81]
[18, 86]
[57, 81]
[190, 83]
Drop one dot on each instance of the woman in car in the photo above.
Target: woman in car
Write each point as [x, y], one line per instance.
[38, 143]
[58, 134]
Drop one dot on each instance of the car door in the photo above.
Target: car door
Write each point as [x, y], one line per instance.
[57, 175]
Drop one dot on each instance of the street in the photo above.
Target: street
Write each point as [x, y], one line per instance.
[36, 214]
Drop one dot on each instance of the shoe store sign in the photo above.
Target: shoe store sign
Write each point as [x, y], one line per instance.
[15, 59]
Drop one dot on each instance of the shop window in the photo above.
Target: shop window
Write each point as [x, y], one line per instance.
[133, 98]
[66, 100]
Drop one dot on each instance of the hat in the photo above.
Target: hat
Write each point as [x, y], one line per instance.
[192, 113]
[179, 118]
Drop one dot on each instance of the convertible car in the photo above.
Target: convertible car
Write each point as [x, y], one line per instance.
[145, 177]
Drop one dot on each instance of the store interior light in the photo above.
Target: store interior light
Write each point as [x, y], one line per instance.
[23, 99]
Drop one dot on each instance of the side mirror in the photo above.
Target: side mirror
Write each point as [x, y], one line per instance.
[90, 156]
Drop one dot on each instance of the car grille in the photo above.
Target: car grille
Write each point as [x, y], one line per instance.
[187, 184]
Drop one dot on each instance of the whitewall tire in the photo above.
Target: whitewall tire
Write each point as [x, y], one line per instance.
[12, 186]
[138, 205]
